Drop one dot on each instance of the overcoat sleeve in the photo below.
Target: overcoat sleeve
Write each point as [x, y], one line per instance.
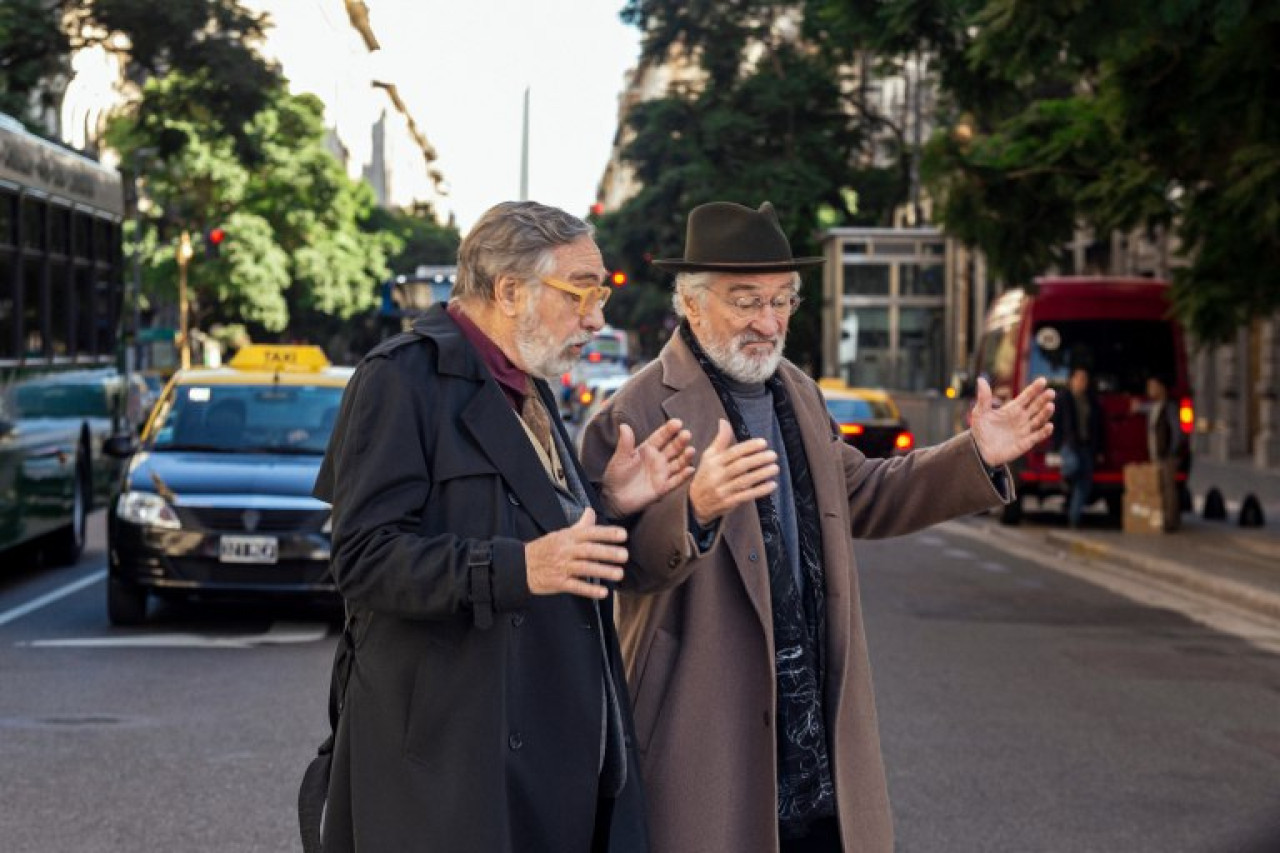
[378, 477]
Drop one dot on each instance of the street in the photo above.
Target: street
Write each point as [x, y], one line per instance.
[1022, 709]
[190, 733]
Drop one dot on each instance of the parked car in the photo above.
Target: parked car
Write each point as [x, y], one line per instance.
[216, 497]
[53, 471]
[598, 396]
[605, 355]
[868, 419]
[1122, 331]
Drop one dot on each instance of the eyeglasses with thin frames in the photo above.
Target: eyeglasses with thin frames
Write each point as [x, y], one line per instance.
[747, 306]
[588, 297]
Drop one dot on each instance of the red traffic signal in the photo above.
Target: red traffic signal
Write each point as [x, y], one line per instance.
[618, 278]
[213, 240]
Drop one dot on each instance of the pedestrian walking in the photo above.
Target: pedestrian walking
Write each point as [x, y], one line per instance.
[740, 620]
[479, 698]
[1080, 439]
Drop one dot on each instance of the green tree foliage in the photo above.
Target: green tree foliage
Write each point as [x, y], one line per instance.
[298, 255]
[209, 42]
[34, 49]
[425, 242]
[771, 120]
[1145, 114]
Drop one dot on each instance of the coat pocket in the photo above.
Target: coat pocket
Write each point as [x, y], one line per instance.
[651, 686]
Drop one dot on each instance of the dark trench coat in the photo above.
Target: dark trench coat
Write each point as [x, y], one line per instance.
[473, 713]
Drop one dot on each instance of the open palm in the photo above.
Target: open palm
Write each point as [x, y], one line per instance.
[1005, 431]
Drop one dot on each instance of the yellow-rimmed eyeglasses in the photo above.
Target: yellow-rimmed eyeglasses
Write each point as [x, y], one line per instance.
[746, 306]
[588, 297]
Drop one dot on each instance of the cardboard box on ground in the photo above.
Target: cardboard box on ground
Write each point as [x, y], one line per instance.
[1150, 498]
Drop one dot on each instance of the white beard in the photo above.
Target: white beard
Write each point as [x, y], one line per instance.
[542, 354]
[737, 364]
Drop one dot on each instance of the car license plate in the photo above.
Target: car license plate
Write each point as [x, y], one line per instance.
[248, 549]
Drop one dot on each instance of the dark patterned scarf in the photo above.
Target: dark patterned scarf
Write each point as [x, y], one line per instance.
[805, 790]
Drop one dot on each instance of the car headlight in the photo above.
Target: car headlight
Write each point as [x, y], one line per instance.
[147, 509]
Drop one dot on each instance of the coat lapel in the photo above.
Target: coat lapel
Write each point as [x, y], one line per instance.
[494, 424]
[696, 405]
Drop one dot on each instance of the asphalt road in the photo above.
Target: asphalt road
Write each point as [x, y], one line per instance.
[1022, 709]
[188, 734]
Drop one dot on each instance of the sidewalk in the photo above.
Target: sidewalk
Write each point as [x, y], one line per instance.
[1219, 559]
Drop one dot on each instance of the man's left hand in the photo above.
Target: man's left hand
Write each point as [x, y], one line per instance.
[1006, 432]
[636, 476]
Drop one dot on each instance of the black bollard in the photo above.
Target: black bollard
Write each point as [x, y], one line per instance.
[1251, 512]
[1215, 508]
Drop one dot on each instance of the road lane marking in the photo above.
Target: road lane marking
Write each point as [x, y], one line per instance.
[50, 597]
[278, 634]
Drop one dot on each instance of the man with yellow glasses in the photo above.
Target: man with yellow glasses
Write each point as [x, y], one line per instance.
[480, 702]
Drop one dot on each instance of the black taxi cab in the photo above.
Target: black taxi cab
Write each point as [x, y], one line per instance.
[216, 497]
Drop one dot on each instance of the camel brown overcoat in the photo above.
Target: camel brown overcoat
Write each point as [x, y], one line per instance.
[696, 629]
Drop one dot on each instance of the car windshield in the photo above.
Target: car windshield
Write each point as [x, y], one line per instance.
[1121, 354]
[291, 419]
[846, 410]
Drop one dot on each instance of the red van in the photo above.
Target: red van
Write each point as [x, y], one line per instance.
[1122, 331]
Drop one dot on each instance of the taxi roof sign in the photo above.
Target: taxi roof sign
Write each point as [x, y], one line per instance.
[292, 358]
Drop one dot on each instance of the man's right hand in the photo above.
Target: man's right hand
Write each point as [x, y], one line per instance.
[730, 474]
[570, 559]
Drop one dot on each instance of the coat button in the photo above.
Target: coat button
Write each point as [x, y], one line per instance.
[753, 556]
[674, 561]
[517, 619]
[515, 741]
[512, 499]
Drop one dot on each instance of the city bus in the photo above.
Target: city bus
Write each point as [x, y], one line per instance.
[406, 297]
[61, 287]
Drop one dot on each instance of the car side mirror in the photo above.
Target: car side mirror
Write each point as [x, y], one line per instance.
[121, 445]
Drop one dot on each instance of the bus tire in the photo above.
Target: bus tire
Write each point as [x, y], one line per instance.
[67, 544]
[126, 603]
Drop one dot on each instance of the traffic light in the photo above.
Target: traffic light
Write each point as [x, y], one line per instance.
[618, 278]
[213, 240]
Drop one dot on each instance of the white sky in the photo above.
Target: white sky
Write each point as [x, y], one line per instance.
[462, 67]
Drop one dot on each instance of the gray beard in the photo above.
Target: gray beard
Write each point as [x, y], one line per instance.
[734, 362]
[545, 358]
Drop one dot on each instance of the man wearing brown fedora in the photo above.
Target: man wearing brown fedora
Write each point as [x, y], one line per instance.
[739, 616]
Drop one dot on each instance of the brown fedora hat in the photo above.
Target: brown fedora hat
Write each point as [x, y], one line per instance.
[727, 237]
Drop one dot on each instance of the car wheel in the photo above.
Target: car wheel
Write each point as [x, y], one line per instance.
[67, 544]
[1011, 513]
[126, 604]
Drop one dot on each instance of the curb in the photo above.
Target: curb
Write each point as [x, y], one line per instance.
[1259, 601]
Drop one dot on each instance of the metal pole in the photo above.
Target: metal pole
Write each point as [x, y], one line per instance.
[524, 151]
[184, 334]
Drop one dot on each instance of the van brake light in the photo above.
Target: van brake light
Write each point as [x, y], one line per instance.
[1186, 415]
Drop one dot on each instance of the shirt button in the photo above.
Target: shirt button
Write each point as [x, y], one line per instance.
[515, 741]
[517, 619]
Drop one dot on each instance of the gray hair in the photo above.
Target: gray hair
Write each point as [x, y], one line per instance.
[512, 238]
[696, 284]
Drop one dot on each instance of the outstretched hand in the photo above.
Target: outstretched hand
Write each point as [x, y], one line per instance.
[1003, 432]
[637, 476]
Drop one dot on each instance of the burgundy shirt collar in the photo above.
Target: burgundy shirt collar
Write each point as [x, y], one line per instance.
[513, 381]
